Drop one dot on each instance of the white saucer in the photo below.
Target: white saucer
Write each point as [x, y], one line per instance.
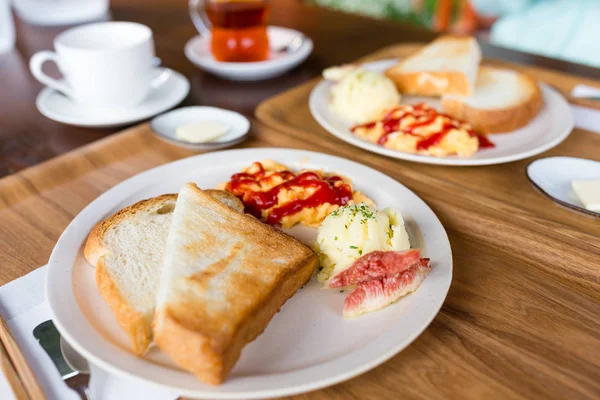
[553, 177]
[197, 50]
[165, 126]
[56, 106]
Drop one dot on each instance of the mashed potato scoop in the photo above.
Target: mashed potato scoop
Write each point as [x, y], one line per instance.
[361, 96]
[354, 230]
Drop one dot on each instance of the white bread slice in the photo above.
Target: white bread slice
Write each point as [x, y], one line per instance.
[504, 100]
[127, 250]
[224, 277]
[448, 65]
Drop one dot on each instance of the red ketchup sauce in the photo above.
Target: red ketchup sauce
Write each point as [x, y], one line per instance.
[391, 124]
[248, 187]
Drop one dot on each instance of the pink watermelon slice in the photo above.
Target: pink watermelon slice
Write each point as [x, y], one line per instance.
[377, 293]
[375, 264]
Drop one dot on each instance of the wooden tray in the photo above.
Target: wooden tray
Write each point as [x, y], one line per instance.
[288, 112]
[523, 313]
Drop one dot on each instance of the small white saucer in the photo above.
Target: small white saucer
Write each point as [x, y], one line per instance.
[553, 177]
[58, 107]
[197, 50]
[166, 125]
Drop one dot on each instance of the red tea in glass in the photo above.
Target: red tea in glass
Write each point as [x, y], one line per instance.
[238, 29]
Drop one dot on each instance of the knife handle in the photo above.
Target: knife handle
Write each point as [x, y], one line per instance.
[48, 337]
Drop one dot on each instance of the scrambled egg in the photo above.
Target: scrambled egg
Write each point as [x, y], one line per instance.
[310, 216]
[355, 230]
[269, 165]
[457, 141]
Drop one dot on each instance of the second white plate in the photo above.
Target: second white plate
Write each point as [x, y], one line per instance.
[308, 344]
[553, 177]
[550, 127]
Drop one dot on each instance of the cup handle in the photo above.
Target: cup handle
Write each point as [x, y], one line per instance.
[35, 65]
[200, 20]
[163, 75]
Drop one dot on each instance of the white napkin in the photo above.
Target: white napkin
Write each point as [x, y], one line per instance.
[23, 306]
[585, 117]
[585, 91]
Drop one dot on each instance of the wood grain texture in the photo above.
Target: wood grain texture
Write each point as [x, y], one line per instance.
[522, 318]
[25, 374]
[8, 370]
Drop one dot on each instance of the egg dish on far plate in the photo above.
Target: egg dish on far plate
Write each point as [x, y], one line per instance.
[420, 128]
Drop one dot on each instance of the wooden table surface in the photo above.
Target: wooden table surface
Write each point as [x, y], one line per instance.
[522, 318]
[28, 138]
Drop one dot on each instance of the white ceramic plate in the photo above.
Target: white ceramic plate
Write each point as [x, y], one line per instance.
[56, 106]
[551, 126]
[553, 177]
[165, 126]
[197, 50]
[308, 344]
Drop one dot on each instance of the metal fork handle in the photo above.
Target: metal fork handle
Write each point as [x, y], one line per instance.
[83, 392]
[80, 384]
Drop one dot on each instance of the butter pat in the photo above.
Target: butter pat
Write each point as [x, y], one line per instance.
[589, 193]
[201, 131]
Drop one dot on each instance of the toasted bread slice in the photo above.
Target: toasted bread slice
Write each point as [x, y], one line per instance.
[448, 65]
[224, 277]
[226, 198]
[127, 250]
[504, 100]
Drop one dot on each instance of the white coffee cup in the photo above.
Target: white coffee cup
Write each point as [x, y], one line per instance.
[107, 64]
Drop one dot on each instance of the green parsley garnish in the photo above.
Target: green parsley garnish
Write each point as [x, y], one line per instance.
[360, 252]
[353, 247]
[335, 238]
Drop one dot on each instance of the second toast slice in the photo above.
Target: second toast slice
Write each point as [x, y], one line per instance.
[224, 277]
[448, 65]
[504, 100]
